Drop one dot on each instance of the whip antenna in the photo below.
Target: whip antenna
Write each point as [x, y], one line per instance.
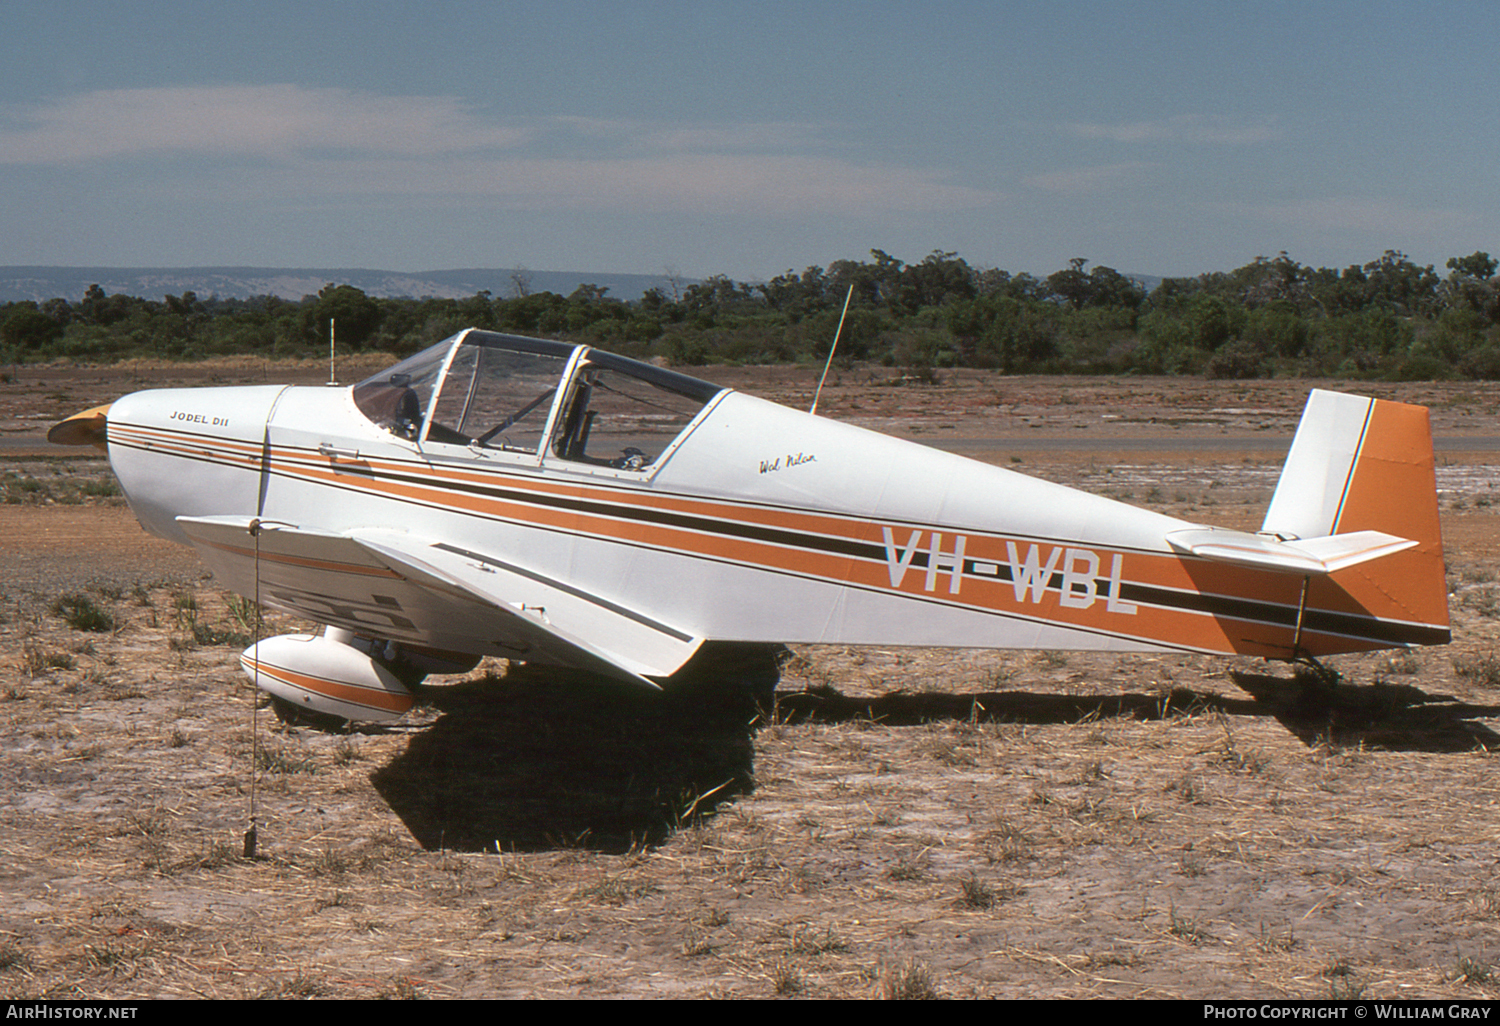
[816, 395]
[332, 377]
[250, 837]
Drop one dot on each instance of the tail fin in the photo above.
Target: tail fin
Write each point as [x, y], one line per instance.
[1359, 464]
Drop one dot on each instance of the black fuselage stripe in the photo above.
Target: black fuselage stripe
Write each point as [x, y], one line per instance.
[662, 518]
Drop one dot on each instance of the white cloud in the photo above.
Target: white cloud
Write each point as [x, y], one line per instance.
[298, 144]
[1188, 128]
[738, 137]
[273, 121]
[1089, 180]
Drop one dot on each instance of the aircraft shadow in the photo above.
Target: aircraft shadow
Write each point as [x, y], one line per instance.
[1398, 717]
[544, 759]
[904, 709]
[1382, 715]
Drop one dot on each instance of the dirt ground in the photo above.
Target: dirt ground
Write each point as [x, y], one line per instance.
[909, 823]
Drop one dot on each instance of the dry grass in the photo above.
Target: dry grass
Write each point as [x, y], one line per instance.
[1212, 847]
[908, 825]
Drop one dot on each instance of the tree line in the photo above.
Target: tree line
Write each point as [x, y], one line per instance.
[1388, 318]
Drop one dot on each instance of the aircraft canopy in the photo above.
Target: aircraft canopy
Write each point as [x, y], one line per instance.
[483, 390]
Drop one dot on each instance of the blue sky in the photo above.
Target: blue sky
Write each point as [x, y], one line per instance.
[746, 138]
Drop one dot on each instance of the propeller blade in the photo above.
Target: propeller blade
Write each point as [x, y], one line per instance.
[86, 428]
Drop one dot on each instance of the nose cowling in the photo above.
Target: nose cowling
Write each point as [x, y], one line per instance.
[190, 452]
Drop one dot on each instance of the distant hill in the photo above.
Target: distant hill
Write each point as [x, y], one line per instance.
[70, 283]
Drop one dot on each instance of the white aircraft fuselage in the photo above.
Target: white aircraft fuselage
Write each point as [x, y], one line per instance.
[542, 501]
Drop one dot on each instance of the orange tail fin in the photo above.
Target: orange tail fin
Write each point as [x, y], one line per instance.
[1361, 464]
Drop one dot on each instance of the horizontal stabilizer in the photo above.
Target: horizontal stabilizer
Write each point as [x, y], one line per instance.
[1303, 556]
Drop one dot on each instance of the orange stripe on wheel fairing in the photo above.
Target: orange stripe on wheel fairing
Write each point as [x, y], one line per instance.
[354, 694]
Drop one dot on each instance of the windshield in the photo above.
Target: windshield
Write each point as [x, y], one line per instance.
[397, 398]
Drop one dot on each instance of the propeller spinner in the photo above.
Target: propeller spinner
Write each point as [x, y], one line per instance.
[86, 428]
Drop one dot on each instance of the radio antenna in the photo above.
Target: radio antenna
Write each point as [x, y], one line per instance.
[332, 377]
[831, 349]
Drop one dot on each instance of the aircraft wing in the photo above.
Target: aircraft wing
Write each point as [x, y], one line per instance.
[552, 613]
[390, 584]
